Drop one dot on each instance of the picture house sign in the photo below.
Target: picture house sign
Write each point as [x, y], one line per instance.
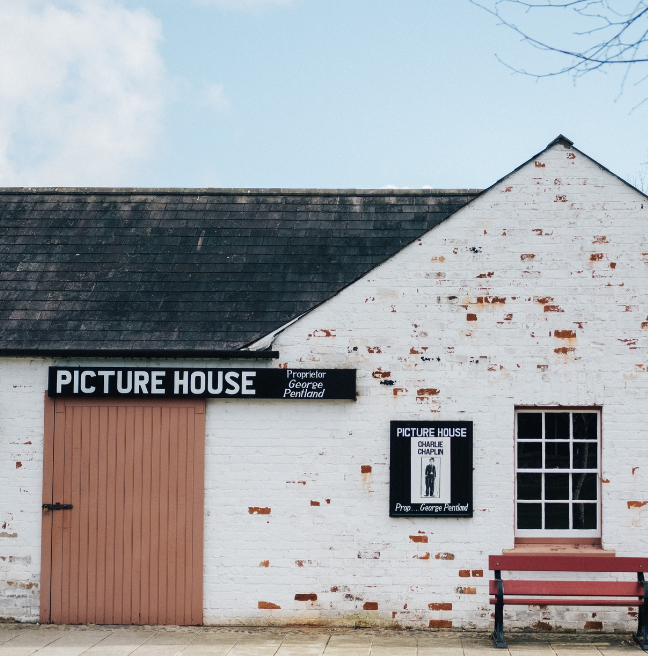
[113, 382]
[431, 469]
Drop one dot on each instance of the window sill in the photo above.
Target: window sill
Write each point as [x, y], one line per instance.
[559, 549]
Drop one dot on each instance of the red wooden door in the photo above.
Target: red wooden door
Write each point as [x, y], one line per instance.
[130, 551]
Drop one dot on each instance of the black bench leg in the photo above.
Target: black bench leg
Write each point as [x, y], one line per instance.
[641, 637]
[498, 633]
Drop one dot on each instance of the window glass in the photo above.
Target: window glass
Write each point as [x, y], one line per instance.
[557, 479]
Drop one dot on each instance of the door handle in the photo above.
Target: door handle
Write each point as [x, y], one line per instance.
[57, 506]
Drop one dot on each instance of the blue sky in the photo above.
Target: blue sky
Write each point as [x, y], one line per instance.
[290, 93]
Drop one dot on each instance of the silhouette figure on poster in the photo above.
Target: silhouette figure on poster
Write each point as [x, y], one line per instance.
[430, 476]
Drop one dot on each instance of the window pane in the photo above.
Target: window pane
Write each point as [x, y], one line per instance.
[584, 486]
[556, 515]
[584, 515]
[529, 515]
[529, 455]
[585, 455]
[529, 486]
[557, 426]
[556, 486]
[585, 425]
[529, 425]
[556, 455]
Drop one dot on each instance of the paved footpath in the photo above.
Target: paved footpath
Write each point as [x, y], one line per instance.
[25, 640]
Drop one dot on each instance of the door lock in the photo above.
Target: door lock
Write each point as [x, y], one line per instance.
[57, 506]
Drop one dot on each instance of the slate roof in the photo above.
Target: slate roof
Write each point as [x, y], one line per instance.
[185, 270]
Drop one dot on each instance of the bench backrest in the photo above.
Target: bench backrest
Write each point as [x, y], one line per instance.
[567, 564]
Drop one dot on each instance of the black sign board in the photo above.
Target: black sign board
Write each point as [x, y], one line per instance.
[431, 467]
[106, 382]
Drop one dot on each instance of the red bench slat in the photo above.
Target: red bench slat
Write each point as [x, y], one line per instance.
[566, 588]
[516, 601]
[567, 563]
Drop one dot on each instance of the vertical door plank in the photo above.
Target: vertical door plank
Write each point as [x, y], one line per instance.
[46, 531]
[58, 493]
[70, 549]
[181, 510]
[111, 512]
[92, 501]
[72, 516]
[154, 562]
[136, 572]
[81, 516]
[189, 500]
[163, 535]
[145, 581]
[128, 515]
[173, 516]
[119, 515]
[102, 508]
[198, 523]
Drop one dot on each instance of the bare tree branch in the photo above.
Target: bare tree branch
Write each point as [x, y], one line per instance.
[620, 37]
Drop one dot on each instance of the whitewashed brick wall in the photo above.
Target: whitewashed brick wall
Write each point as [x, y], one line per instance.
[297, 526]
[559, 245]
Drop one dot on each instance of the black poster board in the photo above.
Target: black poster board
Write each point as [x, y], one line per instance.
[431, 465]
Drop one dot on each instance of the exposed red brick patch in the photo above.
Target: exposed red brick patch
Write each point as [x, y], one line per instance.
[334, 588]
[381, 374]
[601, 239]
[419, 538]
[634, 469]
[440, 624]
[478, 572]
[594, 626]
[553, 308]
[464, 590]
[397, 390]
[266, 605]
[594, 257]
[442, 606]
[563, 350]
[299, 563]
[565, 334]
[637, 504]
[258, 511]
[471, 317]
[427, 391]
[309, 596]
[365, 469]
[327, 500]
[425, 556]
[490, 274]
[370, 605]
[539, 164]
[18, 465]
[612, 265]
[444, 555]
[324, 332]
[605, 480]
[264, 563]
[490, 300]
[543, 300]
[560, 198]
[541, 626]
[315, 503]
[464, 572]
[542, 367]
[527, 256]
[373, 349]
[415, 351]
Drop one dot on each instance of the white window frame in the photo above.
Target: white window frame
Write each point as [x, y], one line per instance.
[559, 533]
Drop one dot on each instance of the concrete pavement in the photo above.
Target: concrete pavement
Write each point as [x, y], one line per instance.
[28, 640]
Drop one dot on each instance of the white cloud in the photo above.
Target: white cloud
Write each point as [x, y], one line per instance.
[216, 98]
[244, 5]
[81, 91]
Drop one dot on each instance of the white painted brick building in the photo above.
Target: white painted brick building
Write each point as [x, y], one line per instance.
[534, 294]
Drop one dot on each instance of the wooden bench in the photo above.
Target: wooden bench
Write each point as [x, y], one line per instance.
[567, 593]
